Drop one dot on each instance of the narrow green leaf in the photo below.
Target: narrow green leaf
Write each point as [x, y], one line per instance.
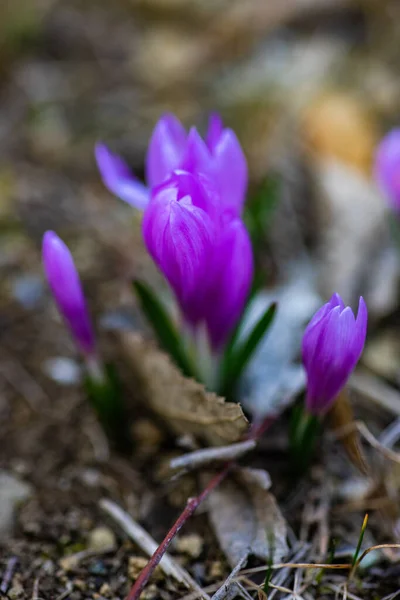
[238, 357]
[106, 397]
[164, 330]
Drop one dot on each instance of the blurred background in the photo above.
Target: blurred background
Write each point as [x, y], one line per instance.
[309, 86]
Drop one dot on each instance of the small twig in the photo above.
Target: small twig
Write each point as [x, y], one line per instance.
[222, 591]
[148, 545]
[191, 506]
[11, 564]
[361, 427]
[35, 591]
[69, 587]
[377, 390]
[198, 458]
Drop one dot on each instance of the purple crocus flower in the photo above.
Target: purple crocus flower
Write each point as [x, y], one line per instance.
[203, 251]
[387, 168]
[332, 345]
[66, 287]
[220, 158]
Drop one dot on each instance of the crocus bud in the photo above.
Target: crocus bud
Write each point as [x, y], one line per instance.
[119, 179]
[66, 287]
[179, 235]
[387, 168]
[332, 345]
[233, 275]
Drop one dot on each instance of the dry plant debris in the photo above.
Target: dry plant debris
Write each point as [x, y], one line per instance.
[184, 404]
[246, 517]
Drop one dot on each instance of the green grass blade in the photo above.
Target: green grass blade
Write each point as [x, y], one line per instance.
[239, 357]
[164, 330]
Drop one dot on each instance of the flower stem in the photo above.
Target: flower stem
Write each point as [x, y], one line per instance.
[191, 506]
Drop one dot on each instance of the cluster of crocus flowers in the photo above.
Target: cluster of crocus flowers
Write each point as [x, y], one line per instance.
[332, 345]
[387, 168]
[192, 224]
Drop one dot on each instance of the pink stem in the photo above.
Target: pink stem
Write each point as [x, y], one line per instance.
[191, 506]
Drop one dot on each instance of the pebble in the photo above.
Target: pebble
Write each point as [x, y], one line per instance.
[137, 563]
[63, 370]
[191, 544]
[102, 539]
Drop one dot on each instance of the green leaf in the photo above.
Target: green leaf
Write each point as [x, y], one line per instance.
[237, 357]
[260, 209]
[164, 330]
[106, 396]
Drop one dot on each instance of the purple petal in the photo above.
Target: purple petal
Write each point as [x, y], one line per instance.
[214, 131]
[197, 157]
[166, 149]
[360, 331]
[200, 190]
[66, 287]
[118, 178]
[387, 167]
[336, 301]
[179, 236]
[230, 170]
[233, 274]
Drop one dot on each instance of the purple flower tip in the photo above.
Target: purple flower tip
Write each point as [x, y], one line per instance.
[66, 288]
[332, 345]
[118, 178]
[387, 168]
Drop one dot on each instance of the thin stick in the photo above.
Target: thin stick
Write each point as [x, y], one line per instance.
[198, 458]
[140, 536]
[191, 506]
[222, 591]
[11, 564]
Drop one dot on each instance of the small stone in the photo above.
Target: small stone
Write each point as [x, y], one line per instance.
[105, 590]
[102, 539]
[151, 592]
[216, 569]
[80, 584]
[12, 493]
[63, 370]
[191, 544]
[137, 563]
[69, 563]
[17, 591]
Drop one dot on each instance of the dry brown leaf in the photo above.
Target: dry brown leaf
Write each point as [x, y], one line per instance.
[183, 403]
[342, 420]
[246, 517]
